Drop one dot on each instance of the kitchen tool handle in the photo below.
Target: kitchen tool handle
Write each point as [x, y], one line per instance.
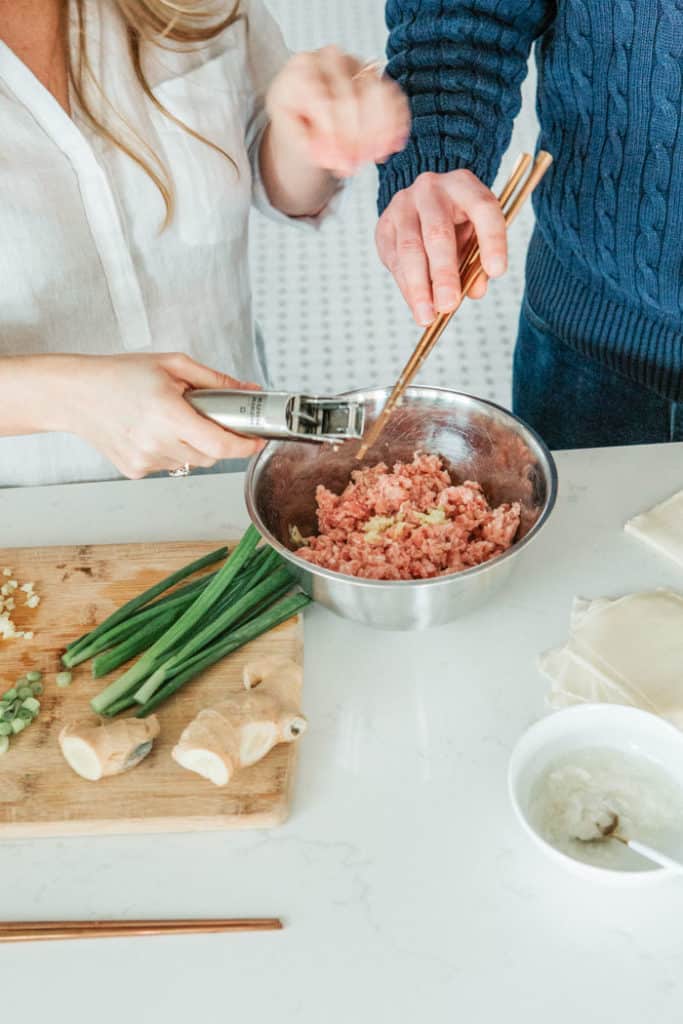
[655, 855]
[251, 413]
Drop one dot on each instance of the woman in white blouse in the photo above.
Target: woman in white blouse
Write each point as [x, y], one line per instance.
[135, 134]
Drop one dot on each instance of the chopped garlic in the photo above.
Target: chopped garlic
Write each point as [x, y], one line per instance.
[296, 536]
[435, 515]
[8, 630]
[375, 527]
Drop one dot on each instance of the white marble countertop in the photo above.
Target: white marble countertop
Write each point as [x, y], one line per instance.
[407, 889]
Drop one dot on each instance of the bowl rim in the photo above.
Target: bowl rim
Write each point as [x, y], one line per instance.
[591, 711]
[377, 392]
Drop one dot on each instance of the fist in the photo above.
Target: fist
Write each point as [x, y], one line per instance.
[338, 111]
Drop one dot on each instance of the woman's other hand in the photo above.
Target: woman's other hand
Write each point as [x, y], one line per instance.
[131, 408]
[422, 234]
[338, 113]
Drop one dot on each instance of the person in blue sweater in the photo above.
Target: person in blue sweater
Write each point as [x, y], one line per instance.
[599, 355]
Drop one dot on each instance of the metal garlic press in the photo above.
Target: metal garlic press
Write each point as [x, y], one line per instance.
[281, 415]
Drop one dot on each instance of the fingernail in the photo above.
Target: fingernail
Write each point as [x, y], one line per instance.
[424, 313]
[496, 265]
[446, 299]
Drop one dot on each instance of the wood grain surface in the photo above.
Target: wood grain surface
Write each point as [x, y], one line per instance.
[39, 793]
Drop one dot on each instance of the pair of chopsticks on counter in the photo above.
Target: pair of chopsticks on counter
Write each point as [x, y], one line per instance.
[512, 198]
[36, 931]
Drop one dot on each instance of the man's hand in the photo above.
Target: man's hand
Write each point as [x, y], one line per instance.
[422, 234]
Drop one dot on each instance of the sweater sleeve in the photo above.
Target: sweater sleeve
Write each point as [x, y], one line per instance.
[461, 64]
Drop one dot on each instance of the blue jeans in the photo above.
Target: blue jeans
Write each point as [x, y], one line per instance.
[573, 401]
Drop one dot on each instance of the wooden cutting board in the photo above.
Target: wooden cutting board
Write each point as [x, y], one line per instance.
[39, 794]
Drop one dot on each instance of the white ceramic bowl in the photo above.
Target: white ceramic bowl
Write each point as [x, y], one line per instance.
[613, 726]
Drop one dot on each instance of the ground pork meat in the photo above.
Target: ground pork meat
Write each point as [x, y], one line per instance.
[408, 523]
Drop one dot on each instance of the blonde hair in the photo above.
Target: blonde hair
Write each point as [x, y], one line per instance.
[188, 23]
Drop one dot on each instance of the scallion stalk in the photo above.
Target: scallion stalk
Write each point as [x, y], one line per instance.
[148, 595]
[169, 610]
[188, 621]
[134, 644]
[254, 597]
[267, 620]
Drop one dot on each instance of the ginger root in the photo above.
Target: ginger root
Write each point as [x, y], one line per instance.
[95, 750]
[241, 730]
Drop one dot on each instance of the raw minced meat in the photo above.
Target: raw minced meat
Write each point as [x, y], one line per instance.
[409, 523]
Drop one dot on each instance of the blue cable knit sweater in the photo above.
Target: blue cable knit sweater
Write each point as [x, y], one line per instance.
[605, 265]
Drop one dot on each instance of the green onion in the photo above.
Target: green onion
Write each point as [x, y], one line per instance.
[164, 610]
[18, 708]
[141, 640]
[157, 621]
[37, 689]
[120, 705]
[189, 588]
[187, 622]
[109, 660]
[63, 679]
[258, 595]
[268, 620]
[34, 677]
[131, 606]
[123, 630]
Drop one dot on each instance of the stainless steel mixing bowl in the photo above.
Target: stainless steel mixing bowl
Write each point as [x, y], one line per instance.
[478, 441]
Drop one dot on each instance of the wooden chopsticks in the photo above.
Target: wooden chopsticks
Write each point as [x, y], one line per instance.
[37, 931]
[470, 271]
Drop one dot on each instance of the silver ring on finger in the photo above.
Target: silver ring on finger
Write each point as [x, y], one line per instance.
[183, 470]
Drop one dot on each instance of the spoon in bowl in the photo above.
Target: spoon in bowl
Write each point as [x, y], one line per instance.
[607, 827]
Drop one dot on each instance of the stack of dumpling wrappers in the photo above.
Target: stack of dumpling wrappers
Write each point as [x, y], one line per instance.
[628, 650]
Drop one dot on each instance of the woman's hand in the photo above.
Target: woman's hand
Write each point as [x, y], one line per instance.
[422, 234]
[338, 114]
[131, 408]
[328, 117]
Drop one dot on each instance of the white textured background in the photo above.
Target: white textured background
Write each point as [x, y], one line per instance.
[330, 313]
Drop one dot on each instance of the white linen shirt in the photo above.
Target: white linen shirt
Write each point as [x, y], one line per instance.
[84, 267]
